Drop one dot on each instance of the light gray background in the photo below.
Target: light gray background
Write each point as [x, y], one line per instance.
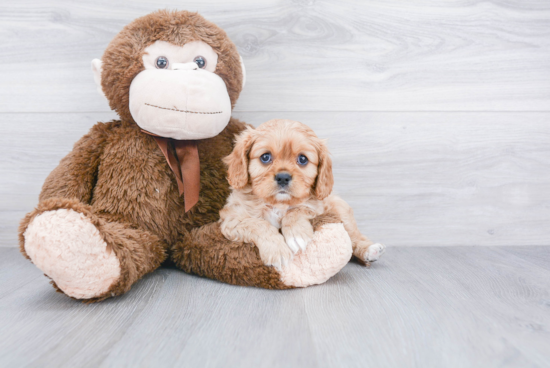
[437, 114]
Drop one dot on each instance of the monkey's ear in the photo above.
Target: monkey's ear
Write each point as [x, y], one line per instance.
[325, 180]
[97, 68]
[244, 70]
[237, 161]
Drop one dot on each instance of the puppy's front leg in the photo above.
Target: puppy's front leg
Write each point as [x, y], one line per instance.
[296, 227]
[271, 244]
[363, 248]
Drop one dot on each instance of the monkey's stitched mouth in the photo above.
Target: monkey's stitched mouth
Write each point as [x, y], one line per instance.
[185, 111]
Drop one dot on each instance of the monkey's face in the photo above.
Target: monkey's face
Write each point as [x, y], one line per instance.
[173, 73]
[178, 95]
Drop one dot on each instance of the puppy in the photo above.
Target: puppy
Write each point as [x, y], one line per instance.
[281, 178]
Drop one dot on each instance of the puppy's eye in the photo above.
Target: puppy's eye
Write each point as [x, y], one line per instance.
[200, 61]
[302, 160]
[162, 62]
[265, 158]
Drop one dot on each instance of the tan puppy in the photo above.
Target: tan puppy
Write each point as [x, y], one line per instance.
[281, 177]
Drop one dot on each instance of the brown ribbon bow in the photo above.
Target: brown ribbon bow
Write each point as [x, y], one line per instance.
[185, 164]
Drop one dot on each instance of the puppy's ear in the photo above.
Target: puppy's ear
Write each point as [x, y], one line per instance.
[237, 161]
[325, 180]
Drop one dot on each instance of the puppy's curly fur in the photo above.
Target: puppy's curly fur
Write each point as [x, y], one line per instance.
[281, 178]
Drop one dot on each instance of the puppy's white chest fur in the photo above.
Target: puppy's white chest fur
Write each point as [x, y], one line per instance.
[274, 214]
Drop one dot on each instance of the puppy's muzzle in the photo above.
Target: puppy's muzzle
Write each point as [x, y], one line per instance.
[283, 179]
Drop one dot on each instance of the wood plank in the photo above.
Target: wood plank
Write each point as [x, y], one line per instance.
[344, 55]
[412, 178]
[434, 307]
[416, 307]
[440, 178]
[540, 259]
[31, 146]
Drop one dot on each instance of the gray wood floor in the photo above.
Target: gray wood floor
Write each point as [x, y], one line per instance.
[417, 307]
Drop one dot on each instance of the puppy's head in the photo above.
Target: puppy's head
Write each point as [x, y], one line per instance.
[283, 161]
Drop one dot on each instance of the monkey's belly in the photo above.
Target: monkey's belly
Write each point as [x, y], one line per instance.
[139, 189]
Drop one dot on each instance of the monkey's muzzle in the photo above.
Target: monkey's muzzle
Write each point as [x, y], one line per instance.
[180, 104]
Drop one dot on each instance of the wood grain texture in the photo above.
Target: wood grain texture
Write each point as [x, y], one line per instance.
[440, 178]
[461, 176]
[417, 307]
[412, 178]
[302, 55]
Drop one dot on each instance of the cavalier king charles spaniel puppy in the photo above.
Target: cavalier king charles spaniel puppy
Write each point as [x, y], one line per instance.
[281, 177]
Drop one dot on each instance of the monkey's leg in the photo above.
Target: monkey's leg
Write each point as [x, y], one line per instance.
[87, 255]
[206, 252]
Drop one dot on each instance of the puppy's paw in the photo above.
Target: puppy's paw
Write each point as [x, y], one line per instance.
[275, 252]
[374, 252]
[298, 235]
[369, 253]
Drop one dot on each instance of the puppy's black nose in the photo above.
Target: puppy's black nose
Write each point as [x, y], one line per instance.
[283, 179]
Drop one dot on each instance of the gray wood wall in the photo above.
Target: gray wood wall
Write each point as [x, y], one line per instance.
[437, 112]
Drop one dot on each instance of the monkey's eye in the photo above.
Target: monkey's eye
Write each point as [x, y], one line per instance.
[265, 158]
[302, 160]
[162, 62]
[200, 61]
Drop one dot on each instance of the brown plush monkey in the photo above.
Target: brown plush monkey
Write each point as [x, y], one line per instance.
[147, 188]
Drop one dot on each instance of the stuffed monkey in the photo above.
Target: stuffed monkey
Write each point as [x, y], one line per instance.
[145, 189]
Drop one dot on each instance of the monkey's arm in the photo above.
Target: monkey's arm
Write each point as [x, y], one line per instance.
[76, 174]
[206, 252]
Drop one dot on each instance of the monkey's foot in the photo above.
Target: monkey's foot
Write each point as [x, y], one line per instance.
[326, 254]
[69, 249]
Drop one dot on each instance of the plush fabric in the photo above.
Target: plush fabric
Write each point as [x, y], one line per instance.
[156, 106]
[138, 251]
[179, 56]
[207, 253]
[122, 58]
[114, 194]
[69, 248]
[309, 267]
